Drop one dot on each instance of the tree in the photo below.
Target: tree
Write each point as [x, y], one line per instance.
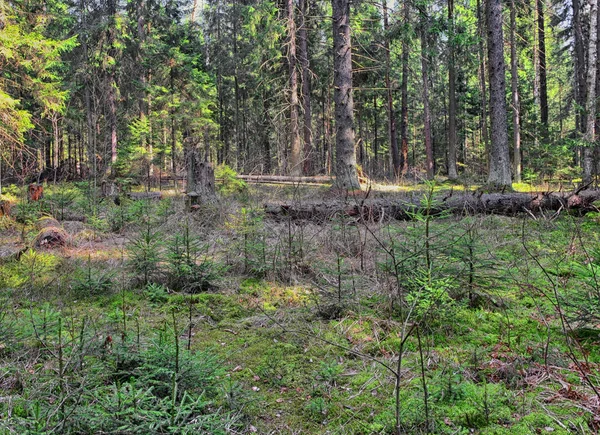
[499, 171]
[590, 105]
[345, 167]
[515, 94]
[393, 138]
[306, 88]
[452, 173]
[541, 53]
[295, 160]
[404, 92]
[429, 164]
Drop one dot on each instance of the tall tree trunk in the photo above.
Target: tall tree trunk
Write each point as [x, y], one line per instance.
[111, 82]
[295, 159]
[482, 84]
[306, 103]
[91, 145]
[393, 138]
[590, 105]
[499, 172]
[579, 67]
[542, 68]
[426, 112]
[515, 94]
[236, 85]
[452, 139]
[345, 159]
[404, 96]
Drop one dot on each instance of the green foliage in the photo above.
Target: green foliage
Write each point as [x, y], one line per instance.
[33, 269]
[90, 281]
[156, 293]
[144, 253]
[61, 199]
[229, 183]
[27, 212]
[188, 268]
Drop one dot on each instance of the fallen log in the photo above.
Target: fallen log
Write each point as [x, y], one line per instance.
[319, 179]
[51, 237]
[506, 204]
[136, 196]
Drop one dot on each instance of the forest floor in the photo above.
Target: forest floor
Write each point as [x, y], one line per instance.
[153, 320]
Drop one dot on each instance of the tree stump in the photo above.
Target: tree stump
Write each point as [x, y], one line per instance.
[35, 192]
[5, 207]
[200, 181]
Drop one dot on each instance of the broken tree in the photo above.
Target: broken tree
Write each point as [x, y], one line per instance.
[379, 209]
[200, 180]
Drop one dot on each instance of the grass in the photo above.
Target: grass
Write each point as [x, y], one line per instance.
[304, 323]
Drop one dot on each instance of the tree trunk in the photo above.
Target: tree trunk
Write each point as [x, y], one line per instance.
[579, 65]
[499, 172]
[452, 140]
[393, 138]
[111, 82]
[306, 103]
[482, 85]
[548, 205]
[542, 69]
[200, 180]
[515, 94]
[404, 96]
[346, 174]
[426, 111]
[295, 159]
[590, 106]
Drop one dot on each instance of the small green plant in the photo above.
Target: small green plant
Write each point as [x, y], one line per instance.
[188, 268]
[156, 293]
[144, 253]
[90, 281]
[228, 181]
[317, 408]
[61, 199]
[330, 372]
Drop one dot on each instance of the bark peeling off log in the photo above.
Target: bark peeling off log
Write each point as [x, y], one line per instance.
[136, 196]
[511, 204]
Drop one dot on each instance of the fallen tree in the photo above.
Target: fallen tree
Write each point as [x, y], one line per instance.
[318, 179]
[508, 204]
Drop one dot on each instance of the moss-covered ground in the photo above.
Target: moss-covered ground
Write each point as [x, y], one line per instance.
[295, 327]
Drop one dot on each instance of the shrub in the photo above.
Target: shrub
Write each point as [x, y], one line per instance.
[229, 181]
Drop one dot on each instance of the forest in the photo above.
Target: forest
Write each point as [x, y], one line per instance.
[299, 217]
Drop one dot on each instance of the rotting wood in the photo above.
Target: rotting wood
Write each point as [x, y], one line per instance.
[35, 192]
[144, 195]
[321, 179]
[547, 205]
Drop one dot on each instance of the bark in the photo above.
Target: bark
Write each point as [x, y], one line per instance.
[404, 97]
[452, 140]
[35, 192]
[515, 94]
[393, 138]
[306, 103]
[295, 160]
[544, 205]
[542, 68]
[426, 111]
[499, 171]
[482, 85]
[111, 82]
[347, 177]
[136, 196]
[590, 106]
[200, 179]
[320, 179]
[579, 65]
